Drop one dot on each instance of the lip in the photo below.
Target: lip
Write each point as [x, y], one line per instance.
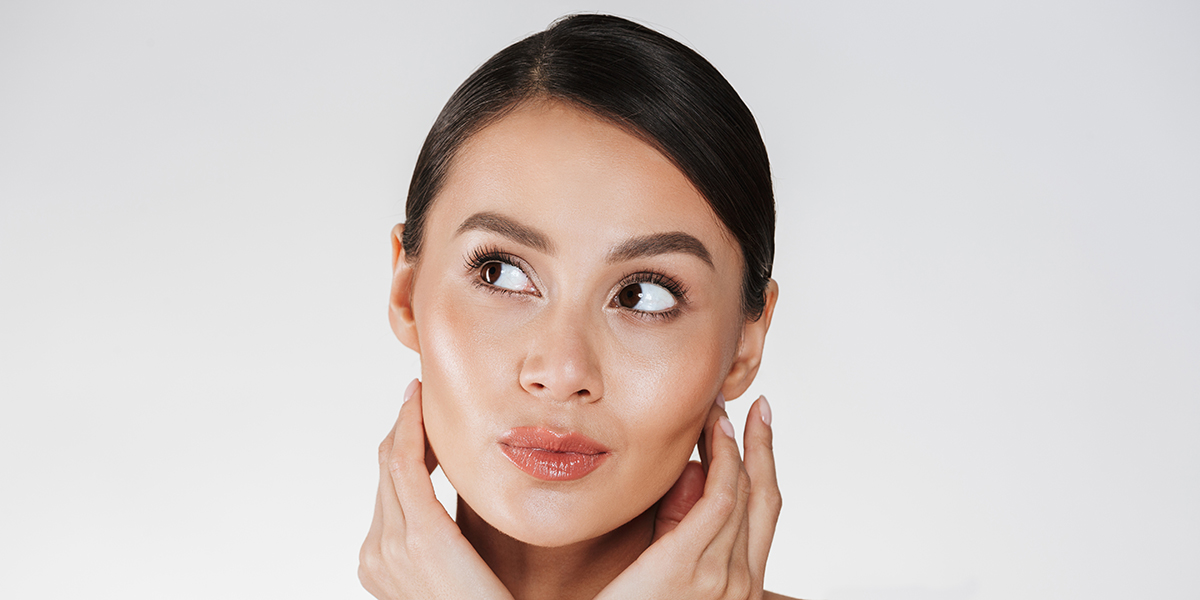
[552, 456]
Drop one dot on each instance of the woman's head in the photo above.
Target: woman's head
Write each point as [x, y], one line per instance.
[643, 81]
[575, 293]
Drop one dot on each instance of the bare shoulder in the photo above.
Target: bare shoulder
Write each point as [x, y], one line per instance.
[774, 596]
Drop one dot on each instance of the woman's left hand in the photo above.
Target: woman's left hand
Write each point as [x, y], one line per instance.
[712, 545]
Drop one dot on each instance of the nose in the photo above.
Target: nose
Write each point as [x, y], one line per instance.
[562, 364]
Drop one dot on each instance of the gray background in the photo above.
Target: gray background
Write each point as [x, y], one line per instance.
[985, 364]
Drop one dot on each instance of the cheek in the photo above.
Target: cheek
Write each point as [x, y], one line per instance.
[465, 368]
[667, 387]
[672, 369]
[450, 351]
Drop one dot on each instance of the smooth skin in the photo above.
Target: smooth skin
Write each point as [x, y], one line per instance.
[552, 348]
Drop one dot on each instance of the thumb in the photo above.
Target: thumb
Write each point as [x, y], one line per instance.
[679, 500]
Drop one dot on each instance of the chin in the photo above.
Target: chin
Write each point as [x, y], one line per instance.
[546, 534]
[547, 517]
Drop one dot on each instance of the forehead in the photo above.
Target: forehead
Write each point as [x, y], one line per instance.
[564, 170]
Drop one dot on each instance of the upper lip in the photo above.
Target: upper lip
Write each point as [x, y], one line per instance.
[540, 438]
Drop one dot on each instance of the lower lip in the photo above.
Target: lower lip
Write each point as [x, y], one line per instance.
[553, 466]
[552, 456]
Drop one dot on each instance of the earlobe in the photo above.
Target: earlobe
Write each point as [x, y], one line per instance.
[749, 355]
[400, 310]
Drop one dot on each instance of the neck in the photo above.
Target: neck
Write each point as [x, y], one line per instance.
[578, 570]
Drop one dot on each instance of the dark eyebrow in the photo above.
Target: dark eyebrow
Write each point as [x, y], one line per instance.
[660, 243]
[497, 223]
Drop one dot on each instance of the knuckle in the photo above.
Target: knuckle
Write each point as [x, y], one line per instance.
[365, 576]
[395, 466]
[392, 554]
[743, 484]
[768, 443]
[738, 584]
[767, 439]
[709, 582]
[774, 500]
[368, 562]
[724, 501]
[385, 450]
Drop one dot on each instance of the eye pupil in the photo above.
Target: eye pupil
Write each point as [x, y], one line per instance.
[630, 295]
[490, 272]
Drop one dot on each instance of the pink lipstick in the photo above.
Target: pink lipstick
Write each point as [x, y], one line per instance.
[551, 456]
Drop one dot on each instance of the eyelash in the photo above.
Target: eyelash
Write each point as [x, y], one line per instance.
[486, 254]
[677, 290]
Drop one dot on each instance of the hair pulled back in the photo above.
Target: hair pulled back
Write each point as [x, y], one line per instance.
[651, 85]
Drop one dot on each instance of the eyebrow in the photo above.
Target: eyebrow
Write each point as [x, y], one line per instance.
[497, 223]
[638, 247]
[660, 243]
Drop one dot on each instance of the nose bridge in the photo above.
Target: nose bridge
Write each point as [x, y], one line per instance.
[562, 361]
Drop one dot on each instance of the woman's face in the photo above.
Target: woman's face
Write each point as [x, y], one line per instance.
[577, 308]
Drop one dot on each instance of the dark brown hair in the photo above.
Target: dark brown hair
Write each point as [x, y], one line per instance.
[639, 79]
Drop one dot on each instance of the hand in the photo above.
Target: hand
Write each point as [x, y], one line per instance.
[714, 544]
[414, 549]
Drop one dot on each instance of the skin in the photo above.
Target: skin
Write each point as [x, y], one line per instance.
[549, 347]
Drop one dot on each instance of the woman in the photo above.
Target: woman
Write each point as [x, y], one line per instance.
[585, 273]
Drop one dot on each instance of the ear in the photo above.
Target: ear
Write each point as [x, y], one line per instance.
[749, 355]
[400, 312]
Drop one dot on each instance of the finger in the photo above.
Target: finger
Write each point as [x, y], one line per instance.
[387, 522]
[371, 545]
[731, 484]
[377, 518]
[715, 517]
[679, 500]
[387, 504]
[702, 445]
[723, 511]
[765, 500]
[410, 466]
[740, 570]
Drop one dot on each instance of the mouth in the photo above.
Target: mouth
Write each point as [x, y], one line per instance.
[552, 456]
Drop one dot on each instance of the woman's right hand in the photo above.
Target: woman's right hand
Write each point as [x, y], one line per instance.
[414, 549]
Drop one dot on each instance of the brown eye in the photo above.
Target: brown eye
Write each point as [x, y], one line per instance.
[630, 295]
[505, 275]
[646, 297]
[490, 272]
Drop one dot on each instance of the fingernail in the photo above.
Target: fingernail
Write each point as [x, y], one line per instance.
[720, 400]
[726, 426]
[410, 390]
[764, 410]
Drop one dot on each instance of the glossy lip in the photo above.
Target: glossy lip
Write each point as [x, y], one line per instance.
[552, 456]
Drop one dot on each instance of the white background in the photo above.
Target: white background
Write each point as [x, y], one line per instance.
[985, 364]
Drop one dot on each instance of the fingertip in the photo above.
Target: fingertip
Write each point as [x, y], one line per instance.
[726, 426]
[760, 452]
[758, 420]
[411, 389]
